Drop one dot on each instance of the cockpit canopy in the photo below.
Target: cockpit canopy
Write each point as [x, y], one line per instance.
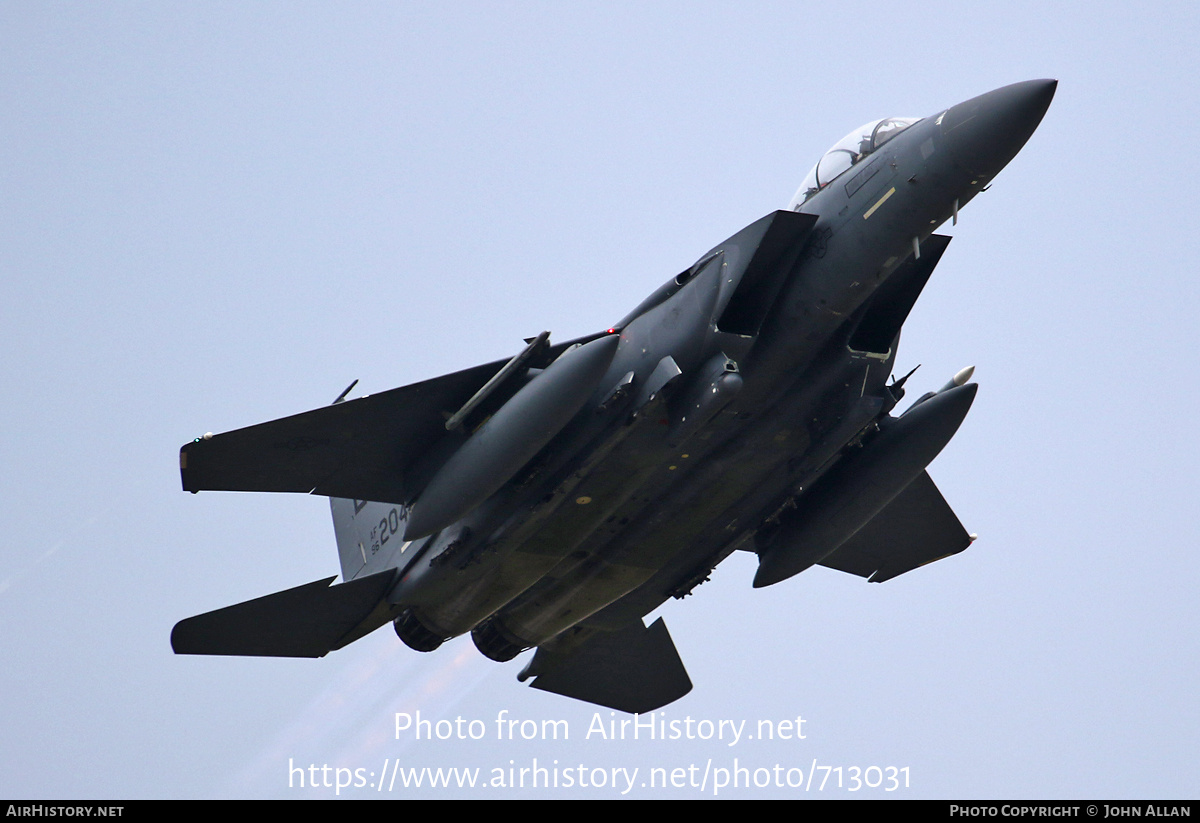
[848, 151]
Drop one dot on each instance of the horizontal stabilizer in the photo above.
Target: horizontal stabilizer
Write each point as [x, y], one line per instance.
[636, 669]
[916, 528]
[307, 621]
[357, 449]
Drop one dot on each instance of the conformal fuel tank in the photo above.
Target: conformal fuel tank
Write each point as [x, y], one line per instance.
[511, 437]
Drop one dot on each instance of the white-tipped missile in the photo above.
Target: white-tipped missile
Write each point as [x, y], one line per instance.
[511, 437]
[959, 379]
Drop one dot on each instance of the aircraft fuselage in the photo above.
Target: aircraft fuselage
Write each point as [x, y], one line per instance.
[554, 500]
[617, 505]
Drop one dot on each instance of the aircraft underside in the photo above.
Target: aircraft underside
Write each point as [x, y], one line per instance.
[555, 499]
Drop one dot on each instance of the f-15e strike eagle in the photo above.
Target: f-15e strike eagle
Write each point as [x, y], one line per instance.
[553, 500]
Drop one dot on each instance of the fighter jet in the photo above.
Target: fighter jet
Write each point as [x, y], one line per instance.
[552, 500]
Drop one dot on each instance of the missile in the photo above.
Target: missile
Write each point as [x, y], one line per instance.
[861, 485]
[535, 346]
[499, 448]
[959, 379]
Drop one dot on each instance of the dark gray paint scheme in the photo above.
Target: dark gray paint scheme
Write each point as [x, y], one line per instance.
[743, 405]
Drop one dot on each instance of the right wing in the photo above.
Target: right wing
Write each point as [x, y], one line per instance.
[359, 449]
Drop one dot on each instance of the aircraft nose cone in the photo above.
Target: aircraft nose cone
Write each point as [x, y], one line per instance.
[987, 131]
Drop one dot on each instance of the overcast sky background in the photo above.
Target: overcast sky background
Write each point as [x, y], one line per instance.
[213, 215]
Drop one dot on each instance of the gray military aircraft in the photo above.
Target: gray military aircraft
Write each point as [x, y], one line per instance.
[553, 500]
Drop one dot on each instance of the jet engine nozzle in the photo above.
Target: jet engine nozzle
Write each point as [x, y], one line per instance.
[987, 131]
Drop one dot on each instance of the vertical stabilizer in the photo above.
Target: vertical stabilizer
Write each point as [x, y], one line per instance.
[369, 535]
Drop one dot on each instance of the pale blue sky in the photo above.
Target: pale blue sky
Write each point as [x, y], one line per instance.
[219, 214]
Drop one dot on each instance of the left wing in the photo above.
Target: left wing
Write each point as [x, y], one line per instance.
[916, 528]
